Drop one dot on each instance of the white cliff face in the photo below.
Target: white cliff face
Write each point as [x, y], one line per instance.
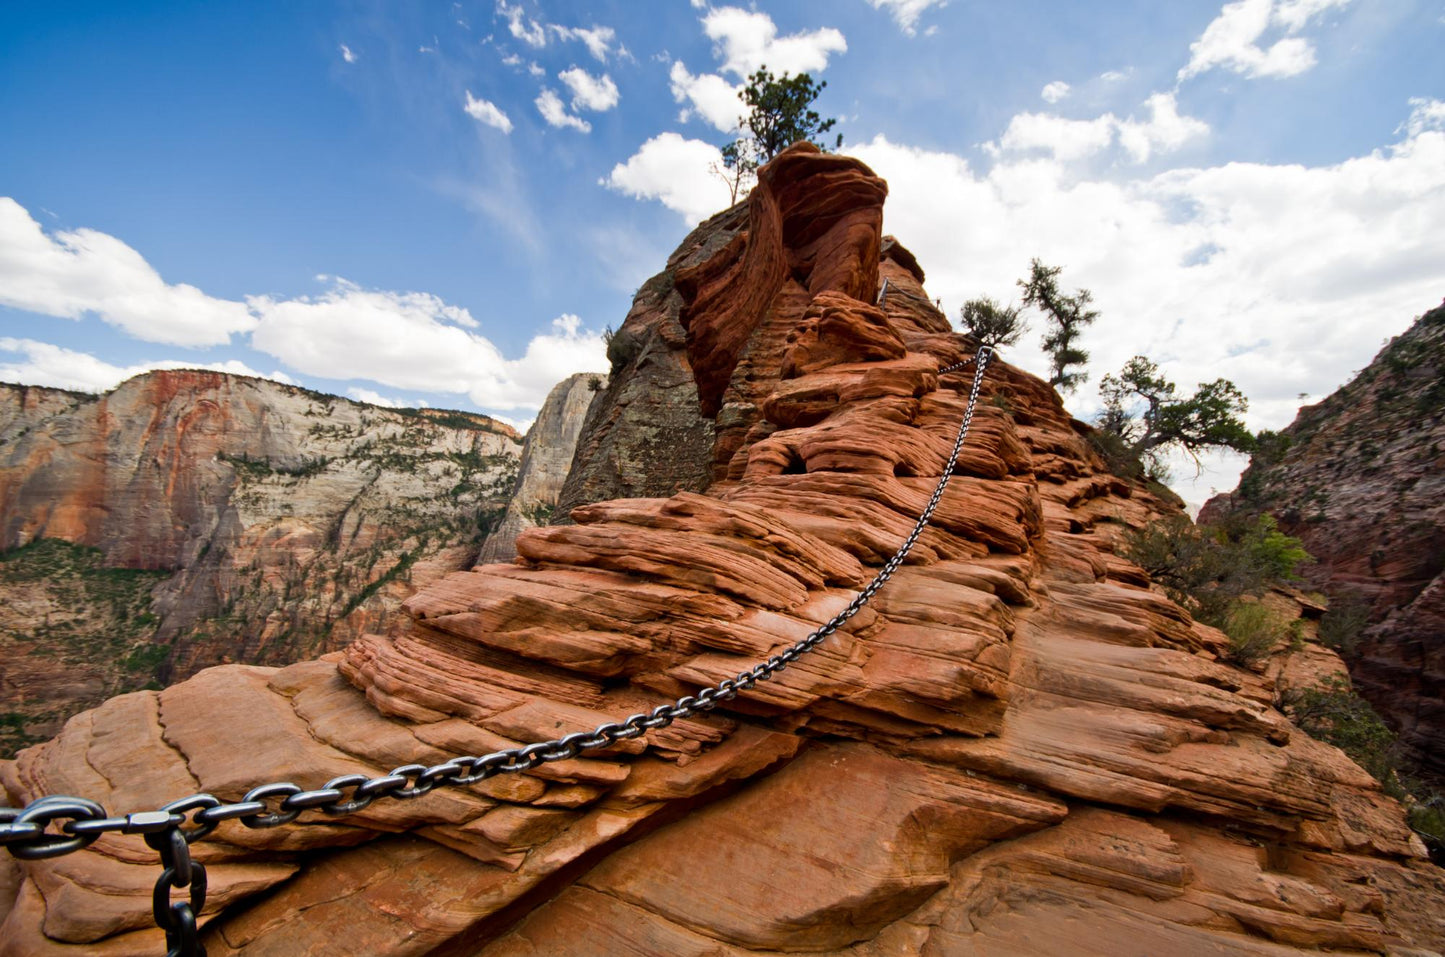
[546, 459]
[282, 523]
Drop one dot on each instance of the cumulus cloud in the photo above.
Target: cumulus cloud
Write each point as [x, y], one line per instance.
[402, 340]
[598, 94]
[521, 26]
[906, 12]
[747, 39]
[1281, 278]
[676, 172]
[550, 105]
[416, 341]
[1055, 91]
[73, 273]
[347, 55]
[1234, 39]
[1164, 131]
[598, 40]
[372, 397]
[1066, 139]
[42, 363]
[713, 98]
[485, 111]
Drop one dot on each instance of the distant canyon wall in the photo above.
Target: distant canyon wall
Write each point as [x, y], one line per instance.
[281, 522]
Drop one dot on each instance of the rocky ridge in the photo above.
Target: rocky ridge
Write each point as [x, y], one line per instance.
[1360, 478]
[280, 523]
[1018, 747]
[547, 453]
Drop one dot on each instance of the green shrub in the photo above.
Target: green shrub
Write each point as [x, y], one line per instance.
[1333, 713]
[1207, 569]
[1343, 625]
[1253, 632]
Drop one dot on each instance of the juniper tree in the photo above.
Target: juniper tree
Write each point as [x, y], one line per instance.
[779, 115]
[991, 324]
[1067, 316]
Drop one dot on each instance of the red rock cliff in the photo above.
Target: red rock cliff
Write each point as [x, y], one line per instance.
[1018, 747]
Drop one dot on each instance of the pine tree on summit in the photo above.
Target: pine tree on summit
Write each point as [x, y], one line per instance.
[779, 115]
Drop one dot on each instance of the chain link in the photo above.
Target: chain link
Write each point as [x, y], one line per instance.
[26, 833]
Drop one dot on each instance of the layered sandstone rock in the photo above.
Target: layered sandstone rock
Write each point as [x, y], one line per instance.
[1018, 747]
[283, 523]
[1360, 478]
[547, 455]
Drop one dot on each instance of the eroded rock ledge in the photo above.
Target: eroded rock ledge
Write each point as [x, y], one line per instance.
[1017, 748]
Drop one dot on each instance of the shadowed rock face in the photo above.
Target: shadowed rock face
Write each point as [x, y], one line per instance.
[546, 459]
[1016, 748]
[1362, 483]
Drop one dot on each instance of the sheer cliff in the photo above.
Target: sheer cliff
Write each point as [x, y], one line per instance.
[1017, 747]
[1360, 478]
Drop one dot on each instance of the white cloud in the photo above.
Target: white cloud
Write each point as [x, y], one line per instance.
[1294, 15]
[1165, 130]
[1114, 76]
[1055, 91]
[675, 171]
[1068, 140]
[598, 39]
[1425, 114]
[528, 31]
[712, 97]
[1281, 278]
[71, 273]
[59, 368]
[512, 60]
[415, 341]
[1232, 41]
[536, 70]
[408, 340]
[746, 40]
[347, 55]
[485, 111]
[598, 94]
[550, 105]
[906, 12]
[372, 397]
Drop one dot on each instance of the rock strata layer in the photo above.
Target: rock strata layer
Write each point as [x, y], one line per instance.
[1017, 747]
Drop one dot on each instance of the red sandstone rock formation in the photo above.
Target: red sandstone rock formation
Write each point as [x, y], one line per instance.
[1017, 748]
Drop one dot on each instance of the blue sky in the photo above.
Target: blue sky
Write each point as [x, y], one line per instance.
[447, 203]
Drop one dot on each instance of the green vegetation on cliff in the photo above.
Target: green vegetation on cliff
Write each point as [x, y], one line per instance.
[94, 623]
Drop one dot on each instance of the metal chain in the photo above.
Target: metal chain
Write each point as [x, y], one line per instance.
[174, 827]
